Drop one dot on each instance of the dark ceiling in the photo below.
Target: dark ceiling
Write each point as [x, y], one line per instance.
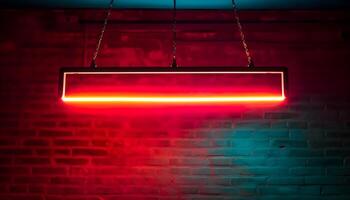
[181, 4]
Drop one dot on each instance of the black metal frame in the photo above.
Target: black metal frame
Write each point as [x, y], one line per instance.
[178, 69]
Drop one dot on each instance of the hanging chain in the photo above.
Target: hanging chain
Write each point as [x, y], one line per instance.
[98, 46]
[174, 64]
[240, 29]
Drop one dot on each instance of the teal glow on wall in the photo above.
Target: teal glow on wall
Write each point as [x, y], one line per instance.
[182, 4]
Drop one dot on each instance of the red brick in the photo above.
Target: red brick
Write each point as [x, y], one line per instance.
[36, 142]
[50, 151]
[14, 170]
[53, 133]
[31, 180]
[89, 152]
[7, 142]
[49, 171]
[21, 196]
[32, 161]
[68, 180]
[71, 161]
[15, 151]
[71, 142]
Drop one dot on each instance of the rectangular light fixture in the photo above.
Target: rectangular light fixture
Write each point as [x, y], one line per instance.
[168, 85]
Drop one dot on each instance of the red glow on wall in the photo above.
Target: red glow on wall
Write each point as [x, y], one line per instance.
[169, 86]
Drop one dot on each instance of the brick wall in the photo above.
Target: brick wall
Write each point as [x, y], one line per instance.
[298, 150]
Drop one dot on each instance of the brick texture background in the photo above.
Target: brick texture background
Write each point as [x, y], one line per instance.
[298, 150]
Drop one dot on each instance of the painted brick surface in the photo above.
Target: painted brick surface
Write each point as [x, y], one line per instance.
[298, 150]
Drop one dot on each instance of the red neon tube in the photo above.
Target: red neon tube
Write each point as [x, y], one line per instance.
[181, 85]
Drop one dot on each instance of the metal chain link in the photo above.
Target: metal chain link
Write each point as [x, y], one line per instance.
[174, 64]
[243, 40]
[98, 46]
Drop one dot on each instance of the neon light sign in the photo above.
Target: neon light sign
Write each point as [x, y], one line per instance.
[168, 85]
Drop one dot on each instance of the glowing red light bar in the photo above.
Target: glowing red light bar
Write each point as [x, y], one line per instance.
[167, 85]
